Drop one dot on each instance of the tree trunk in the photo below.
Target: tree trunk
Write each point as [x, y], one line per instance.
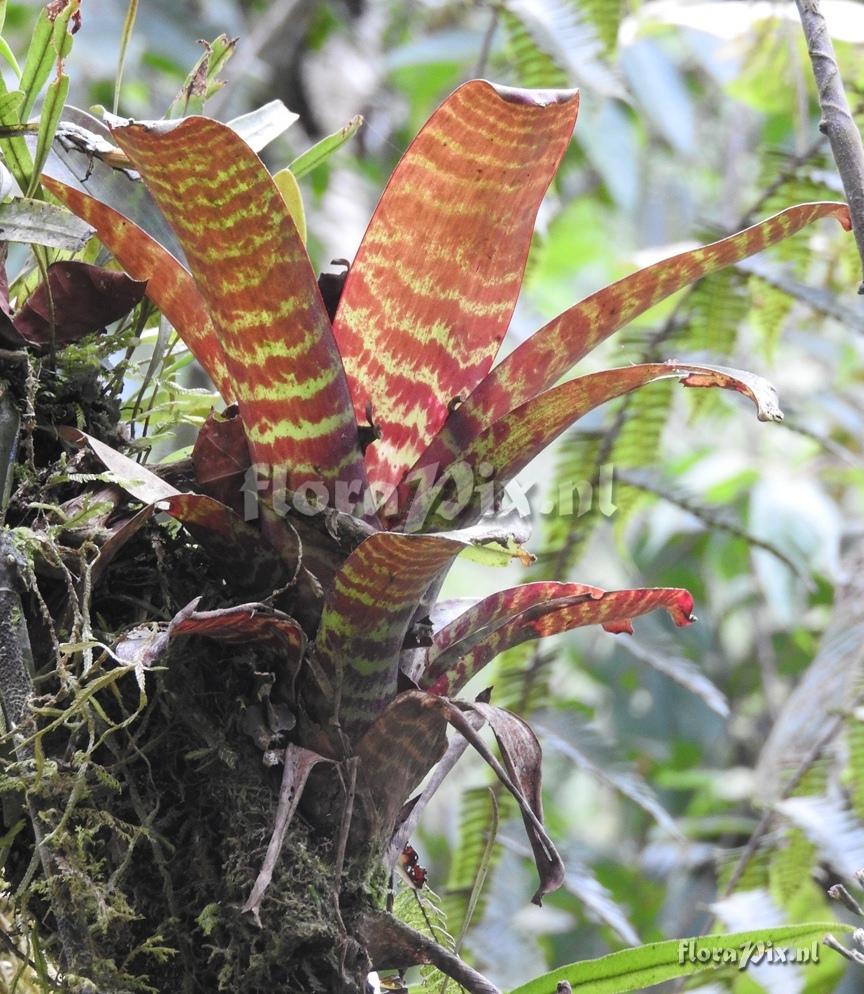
[139, 805]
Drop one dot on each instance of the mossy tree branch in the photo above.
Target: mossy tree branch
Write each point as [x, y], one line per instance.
[392, 943]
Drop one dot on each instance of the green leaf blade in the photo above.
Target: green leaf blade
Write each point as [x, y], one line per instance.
[657, 962]
[321, 151]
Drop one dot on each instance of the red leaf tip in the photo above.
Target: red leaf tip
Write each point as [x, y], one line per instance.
[681, 611]
[844, 217]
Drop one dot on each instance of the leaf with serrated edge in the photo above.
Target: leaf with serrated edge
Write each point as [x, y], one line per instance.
[432, 289]
[657, 962]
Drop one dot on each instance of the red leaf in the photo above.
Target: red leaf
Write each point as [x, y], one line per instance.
[375, 595]
[545, 357]
[397, 750]
[257, 282]
[535, 610]
[221, 458]
[406, 741]
[169, 284]
[431, 292]
[242, 623]
[514, 440]
[84, 299]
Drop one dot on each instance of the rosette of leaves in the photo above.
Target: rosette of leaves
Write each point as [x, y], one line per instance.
[375, 438]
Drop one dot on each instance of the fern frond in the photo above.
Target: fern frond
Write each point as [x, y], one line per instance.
[791, 865]
[574, 496]
[606, 17]
[645, 414]
[832, 826]
[585, 748]
[715, 519]
[821, 301]
[421, 909]
[855, 745]
[717, 307]
[754, 875]
[552, 44]
[771, 307]
[533, 67]
[521, 678]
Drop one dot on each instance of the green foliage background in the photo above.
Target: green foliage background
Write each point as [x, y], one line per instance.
[691, 125]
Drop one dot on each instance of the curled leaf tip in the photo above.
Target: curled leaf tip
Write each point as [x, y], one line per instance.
[844, 217]
[759, 390]
[681, 611]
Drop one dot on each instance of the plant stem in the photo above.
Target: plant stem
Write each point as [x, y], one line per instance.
[392, 943]
[837, 122]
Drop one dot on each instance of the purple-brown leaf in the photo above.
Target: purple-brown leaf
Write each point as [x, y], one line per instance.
[78, 299]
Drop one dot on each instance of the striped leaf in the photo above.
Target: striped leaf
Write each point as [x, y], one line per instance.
[396, 752]
[242, 623]
[375, 596]
[545, 357]
[536, 610]
[505, 448]
[256, 280]
[430, 294]
[169, 284]
[407, 739]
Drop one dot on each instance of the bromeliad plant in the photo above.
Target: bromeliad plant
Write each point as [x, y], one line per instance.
[371, 442]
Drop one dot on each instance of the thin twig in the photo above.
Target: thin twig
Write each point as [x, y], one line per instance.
[486, 45]
[345, 826]
[837, 121]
